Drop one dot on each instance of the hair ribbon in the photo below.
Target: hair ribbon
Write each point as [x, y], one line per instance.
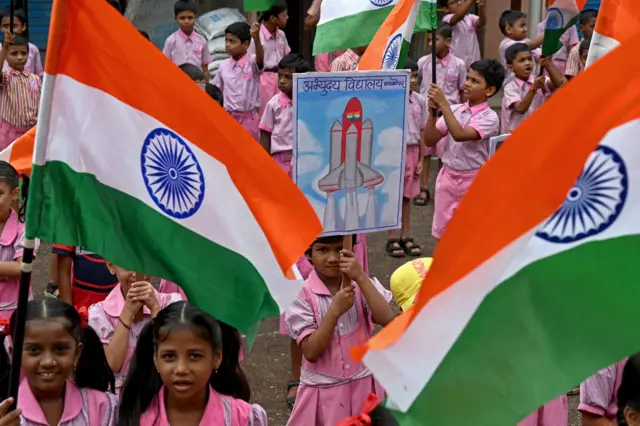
[84, 316]
[362, 419]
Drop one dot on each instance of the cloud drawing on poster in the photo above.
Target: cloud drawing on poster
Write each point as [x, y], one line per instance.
[311, 144]
[390, 141]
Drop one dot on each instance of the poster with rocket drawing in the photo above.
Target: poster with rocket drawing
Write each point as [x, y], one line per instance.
[349, 137]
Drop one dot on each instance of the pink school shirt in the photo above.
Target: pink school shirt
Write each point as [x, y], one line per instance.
[507, 43]
[187, 49]
[221, 410]
[417, 118]
[464, 42]
[451, 73]
[514, 92]
[275, 48]
[469, 155]
[11, 248]
[277, 119]
[104, 317]
[598, 393]
[569, 39]
[240, 83]
[348, 61]
[82, 407]
[34, 63]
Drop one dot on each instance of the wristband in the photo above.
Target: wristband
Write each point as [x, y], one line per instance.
[124, 324]
[533, 89]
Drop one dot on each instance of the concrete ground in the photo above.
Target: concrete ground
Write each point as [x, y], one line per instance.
[267, 365]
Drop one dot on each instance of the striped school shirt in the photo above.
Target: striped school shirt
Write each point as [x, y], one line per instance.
[348, 61]
[19, 98]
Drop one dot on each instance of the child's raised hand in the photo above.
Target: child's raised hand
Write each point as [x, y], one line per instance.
[343, 300]
[480, 3]
[142, 292]
[255, 29]
[9, 419]
[538, 82]
[8, 40]
[436, 95]
[350, 266]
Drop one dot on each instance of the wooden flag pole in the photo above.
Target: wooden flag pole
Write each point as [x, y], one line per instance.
[12, 8]
[347, 244]
[433, 63]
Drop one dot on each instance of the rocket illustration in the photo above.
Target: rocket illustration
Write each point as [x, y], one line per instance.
[350, 167]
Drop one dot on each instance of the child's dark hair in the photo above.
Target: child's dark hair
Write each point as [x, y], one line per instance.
[143, 380]
[20, 41]
[586, 15]
[445, 30]
[276, 9]
[145, 34]
[410, 64]
[17, 14]
[584, 45]
[295, 62]
[329, 240]
[492, 71]
[509, 17]
[242, 30]
[185, 6]
[381, 416]
[215, 93]
[10, 176]
[629, 390]
[195, 73]
[513, 50]
[92, 370]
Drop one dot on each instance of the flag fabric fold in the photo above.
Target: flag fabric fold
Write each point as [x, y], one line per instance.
[561, 15]
[20, 153]
[504, 321]
[148, 171]
[618, 20]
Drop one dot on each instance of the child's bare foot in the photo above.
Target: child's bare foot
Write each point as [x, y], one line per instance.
[292, 392]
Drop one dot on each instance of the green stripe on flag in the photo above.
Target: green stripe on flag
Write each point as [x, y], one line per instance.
[551, 43]
[257, 5]
[427, 19]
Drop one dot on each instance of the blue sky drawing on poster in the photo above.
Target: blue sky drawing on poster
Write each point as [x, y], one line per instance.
[316, 114]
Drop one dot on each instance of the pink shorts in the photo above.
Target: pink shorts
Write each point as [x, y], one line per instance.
[9, 133]
[250, 120]
[411, 179]
[450, 188]
[284, 160]
[553, 413]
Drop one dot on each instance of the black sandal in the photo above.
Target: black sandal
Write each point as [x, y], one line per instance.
[420, 200]
[394, 248]
[413, 250]
[291, 400]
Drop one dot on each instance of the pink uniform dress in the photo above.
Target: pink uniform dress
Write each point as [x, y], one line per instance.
[82, 407]
[240, 84]
[504, 45]
[514, 92]
[34, 63]
[574, 66]
[334, 387]
[187, 49]
[464, 43]
[19, 103]
[104, 317]
[221, 410]
[569, 39]
[553, 413]
[417, 123]
[168, 287]
[598, 393]
[275, 48]
[277, 119]
[11, 248]
[462, 160]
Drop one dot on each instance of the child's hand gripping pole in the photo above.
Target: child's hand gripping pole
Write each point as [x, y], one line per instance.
[347, 244]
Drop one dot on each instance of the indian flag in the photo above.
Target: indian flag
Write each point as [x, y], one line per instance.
[20, 153]
[561, 15]
[353, 23]
[257, 5]
[618, 20]
[145, 169]
[534, 285]
[389, 47]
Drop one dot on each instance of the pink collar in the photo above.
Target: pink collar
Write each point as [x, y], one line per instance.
[476, 108]
[285, 101]
[114, 302]
[315, 284]
[445, 61]
[32, 411]
[184, 36]
[11, 227]
[240, 62]
[213, 413]
[266, 33]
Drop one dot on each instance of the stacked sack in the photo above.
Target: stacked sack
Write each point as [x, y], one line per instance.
[212, 25]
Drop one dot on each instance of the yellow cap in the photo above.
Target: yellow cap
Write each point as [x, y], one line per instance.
[407, 279]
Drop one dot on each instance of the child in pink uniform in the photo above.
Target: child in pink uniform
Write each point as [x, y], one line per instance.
[466, 129]
[405, 245]
[186, 46]
[120, 317]
[576, 61]
[185, 371]
[275, 47]
[465, 28]
[19, 91]
[11, 237]
[59, 345]
[513, 25]
[276, 125]
[34, 63]
[239, 76]
[599, 396]
[526, 92]
[327, 319]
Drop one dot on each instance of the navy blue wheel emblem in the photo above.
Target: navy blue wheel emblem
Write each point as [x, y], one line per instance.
[593, 203]
[172, 174]
[392, 53]
[380, 3]
[555, 19]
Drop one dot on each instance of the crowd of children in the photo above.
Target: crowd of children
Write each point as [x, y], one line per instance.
[131, 354]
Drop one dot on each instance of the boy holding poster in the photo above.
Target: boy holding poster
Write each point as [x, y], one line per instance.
[405, 245]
